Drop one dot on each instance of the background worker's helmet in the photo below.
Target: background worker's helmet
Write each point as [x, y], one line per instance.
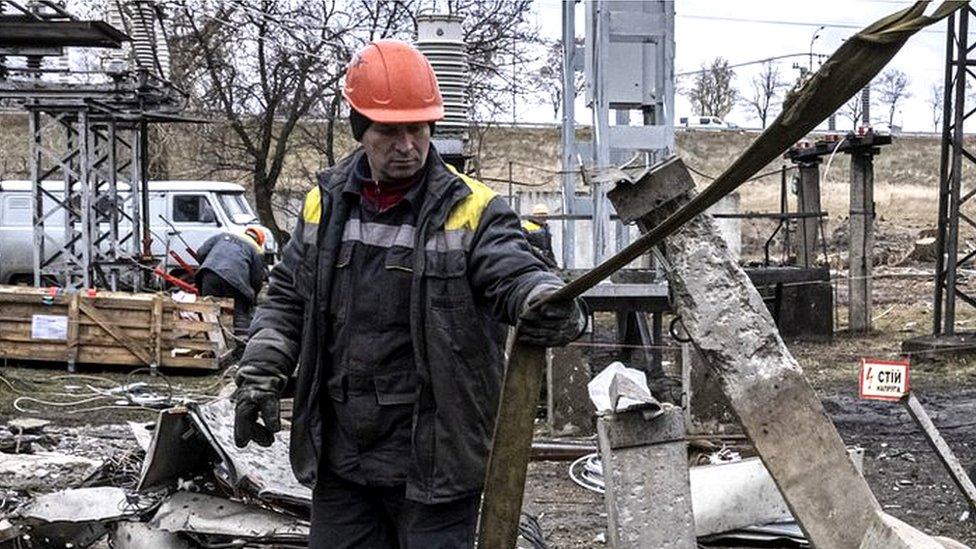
[540, 209]
[256, 234]
[391, 82]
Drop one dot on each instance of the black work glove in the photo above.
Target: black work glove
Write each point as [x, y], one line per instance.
[252, 402]
[551, 324]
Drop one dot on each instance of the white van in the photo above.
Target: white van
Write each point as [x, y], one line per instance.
[197, 209]
[703, 123]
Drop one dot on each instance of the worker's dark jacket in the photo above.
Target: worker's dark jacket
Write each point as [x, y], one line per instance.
[474, 274]
[538, 235]
[235, 260]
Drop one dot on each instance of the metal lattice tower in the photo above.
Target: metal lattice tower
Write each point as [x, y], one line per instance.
[85, 229]
[957, 160]
[88, 146]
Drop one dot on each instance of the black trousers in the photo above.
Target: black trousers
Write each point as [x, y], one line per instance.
[211, 284]
[346, 515]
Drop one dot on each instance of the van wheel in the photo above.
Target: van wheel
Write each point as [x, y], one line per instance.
[22, 280]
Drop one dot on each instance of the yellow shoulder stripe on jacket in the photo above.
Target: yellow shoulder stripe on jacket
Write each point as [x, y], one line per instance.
[312, 210]
[467, 213]
[531, 226]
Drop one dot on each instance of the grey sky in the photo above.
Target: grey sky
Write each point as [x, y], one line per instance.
[747, 30]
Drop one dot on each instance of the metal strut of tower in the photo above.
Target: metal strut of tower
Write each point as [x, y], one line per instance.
[88, 146]
[956, 158]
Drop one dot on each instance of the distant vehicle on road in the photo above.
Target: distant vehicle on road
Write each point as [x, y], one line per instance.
[197, 209]
[704, 123]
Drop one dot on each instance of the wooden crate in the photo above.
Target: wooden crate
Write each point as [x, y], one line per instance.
[132, 329]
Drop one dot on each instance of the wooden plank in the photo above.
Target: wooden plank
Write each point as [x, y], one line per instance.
[198, 307]
[54, 352]
[154, 333]
[511, 447]
[190, 363]
[192, 344]
[90, 331]
[189, 325]
[73, 330]
[132, 345]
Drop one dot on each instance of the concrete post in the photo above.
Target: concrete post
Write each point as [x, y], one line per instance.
[861, 251]
[570, 411]
[645, 472]
[734, 333]
[808, 201]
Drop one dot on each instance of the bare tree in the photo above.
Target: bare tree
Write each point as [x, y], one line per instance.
[853, 110]
[766, 91]
[268, 73]
[258, 67]
[548, 80]
[935, 103]
[892, 88]
[713, 93]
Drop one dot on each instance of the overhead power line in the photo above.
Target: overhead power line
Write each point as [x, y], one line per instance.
[756, 62]
[788, 23]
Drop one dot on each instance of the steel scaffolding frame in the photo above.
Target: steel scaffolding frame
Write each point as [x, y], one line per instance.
[88, 148]
[86, 172]
[955, 154]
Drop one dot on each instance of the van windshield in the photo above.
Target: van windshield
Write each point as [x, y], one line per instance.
[237, 208]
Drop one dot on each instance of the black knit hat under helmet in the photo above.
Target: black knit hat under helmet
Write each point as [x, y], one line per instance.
[360, 124]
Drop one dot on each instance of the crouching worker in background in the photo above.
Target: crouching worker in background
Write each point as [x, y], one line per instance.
[232, 266]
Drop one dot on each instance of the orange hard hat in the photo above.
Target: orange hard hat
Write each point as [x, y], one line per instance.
[256, 234]
[391, 82]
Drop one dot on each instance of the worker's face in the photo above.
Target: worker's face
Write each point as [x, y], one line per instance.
[396, 151]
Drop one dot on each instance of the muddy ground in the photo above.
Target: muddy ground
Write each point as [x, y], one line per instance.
[903, 472]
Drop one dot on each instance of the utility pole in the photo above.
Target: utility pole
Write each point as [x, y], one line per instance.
[866, 106]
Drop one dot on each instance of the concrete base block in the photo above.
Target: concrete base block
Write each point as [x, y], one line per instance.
[645, 470]
[570, 410]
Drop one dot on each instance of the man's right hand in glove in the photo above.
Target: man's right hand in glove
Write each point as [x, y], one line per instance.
[260, 379]
[253, 402]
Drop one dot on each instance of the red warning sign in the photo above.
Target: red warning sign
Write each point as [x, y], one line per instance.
[883, 379]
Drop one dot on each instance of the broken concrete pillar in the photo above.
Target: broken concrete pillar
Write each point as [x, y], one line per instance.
[736, 336]
[734, 333]
[645, 473]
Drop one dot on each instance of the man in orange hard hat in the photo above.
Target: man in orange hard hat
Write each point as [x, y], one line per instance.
[392, 296]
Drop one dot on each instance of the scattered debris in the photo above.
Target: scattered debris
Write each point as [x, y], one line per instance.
[27, 425]
[775, 534]
[76, 518]
[257, 470]
[206, 515]
[185, 439]
[140, 535]
[44, 470]
[190, 462]
[735, 498]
